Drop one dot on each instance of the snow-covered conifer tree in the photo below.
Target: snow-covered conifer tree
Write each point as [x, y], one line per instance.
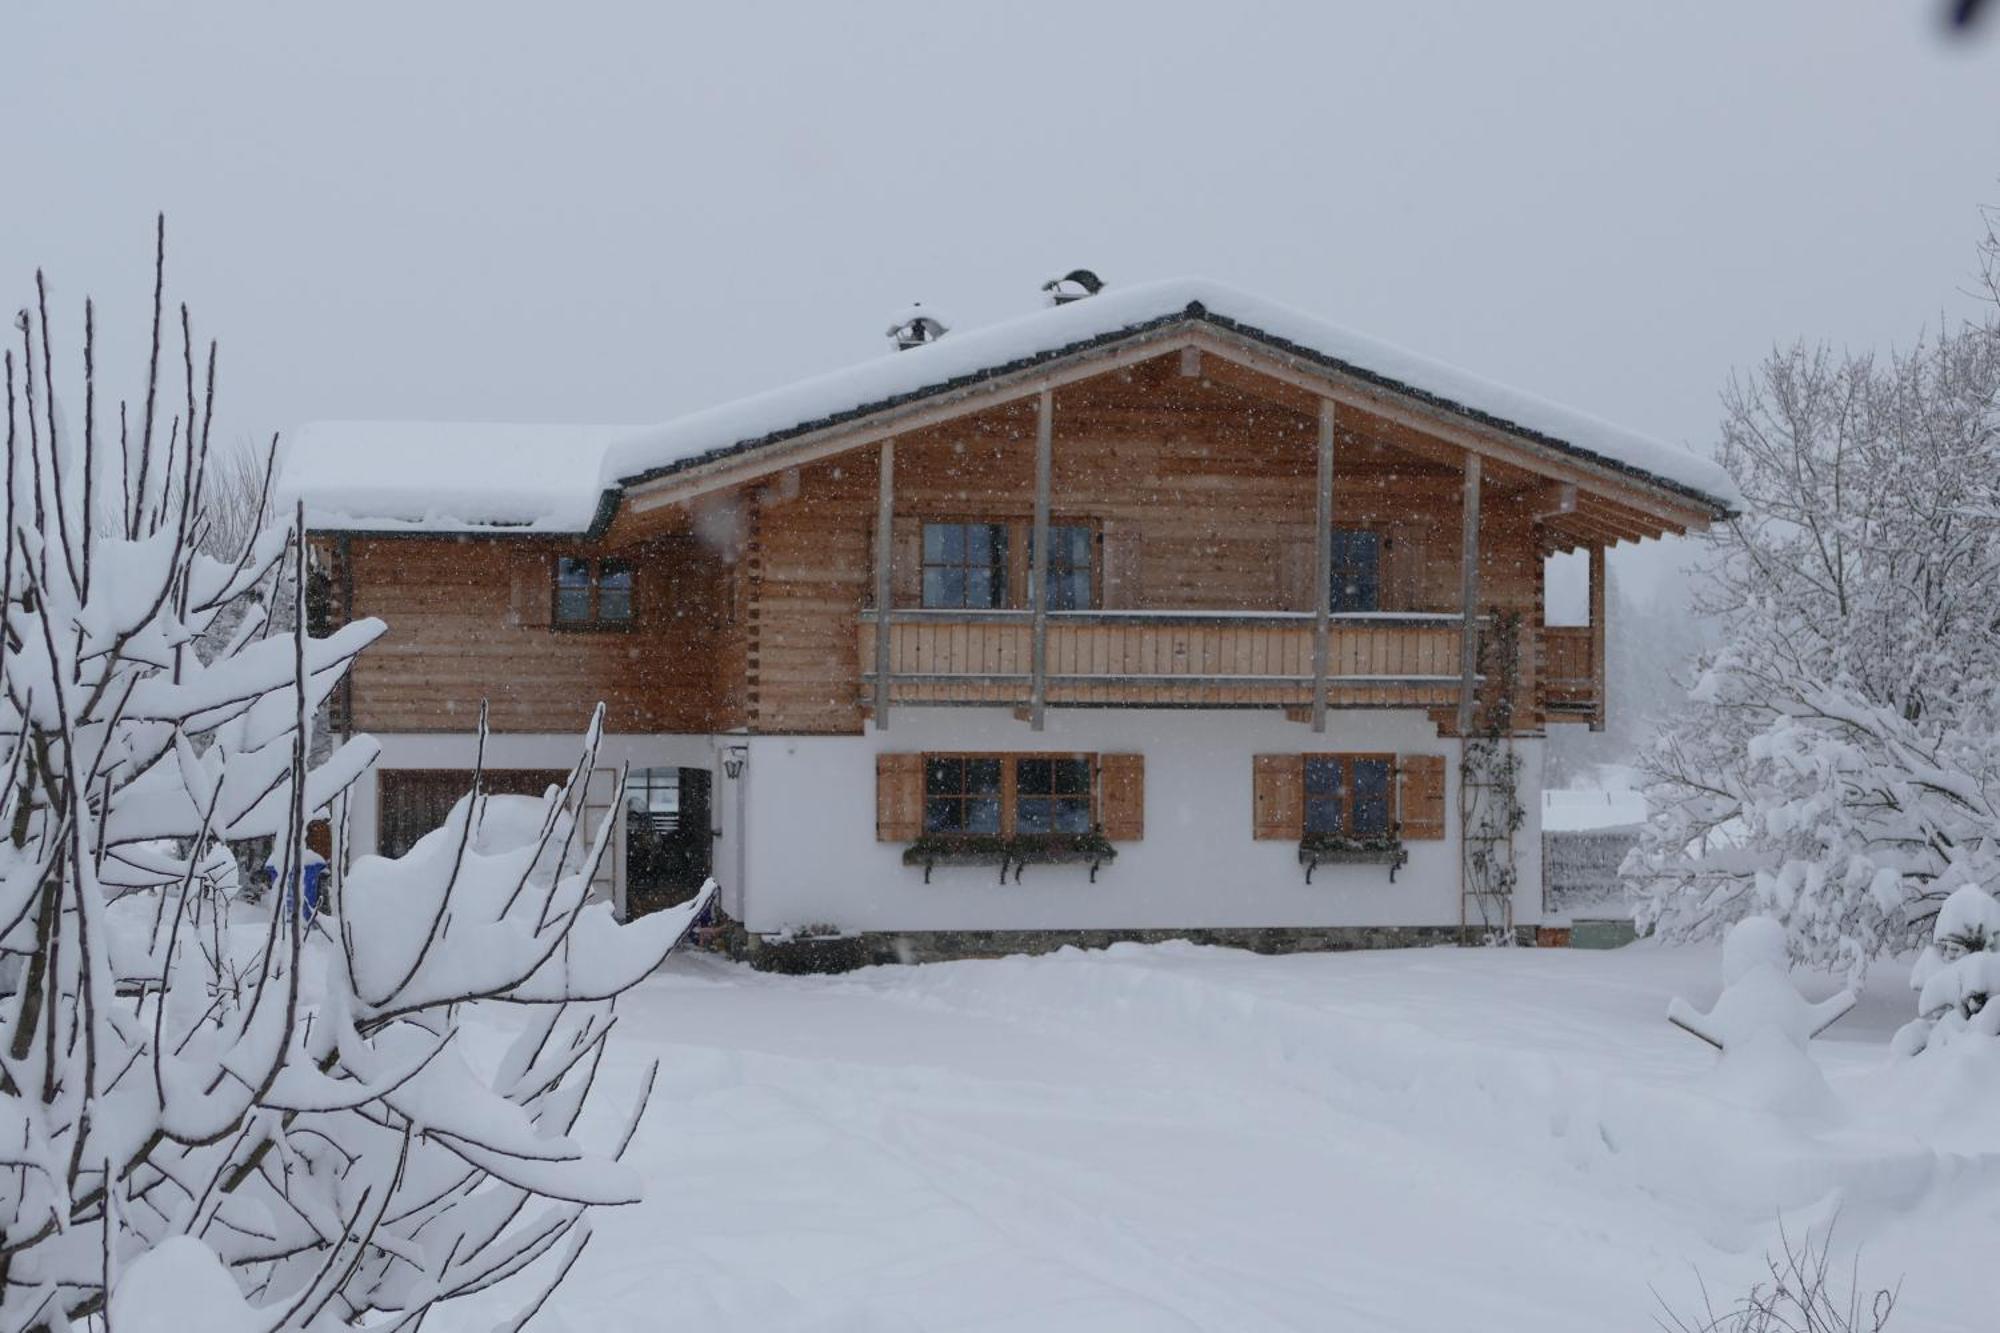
[1838, 763]
[214, 1115]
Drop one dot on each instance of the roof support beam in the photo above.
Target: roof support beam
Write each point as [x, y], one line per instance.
[1475, 437]
[885, 545]
[1468, 596]
[1597, 637]
[1323, 573]
[1038, 577]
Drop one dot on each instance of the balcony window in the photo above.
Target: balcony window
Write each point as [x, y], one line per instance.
[1072, 581]
[1349, 794]
[965, 566]
[1357, 570]
[593, 594]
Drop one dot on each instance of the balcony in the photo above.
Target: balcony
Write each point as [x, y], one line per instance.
[1166, 658]
[1572, 681]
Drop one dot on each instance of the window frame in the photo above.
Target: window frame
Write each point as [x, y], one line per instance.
[1019, 565]
[594, 620]
[1347, 760]
[1005, 565]
[1010, 793]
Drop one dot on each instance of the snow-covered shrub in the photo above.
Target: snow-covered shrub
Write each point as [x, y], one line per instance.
[1838, 763]
[220, 1115]
[1957, 975]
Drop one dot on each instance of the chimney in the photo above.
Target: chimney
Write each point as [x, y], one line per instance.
[1073, 286]
[915, 328]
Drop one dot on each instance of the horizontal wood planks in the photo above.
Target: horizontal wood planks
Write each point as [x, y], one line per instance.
[467, 620]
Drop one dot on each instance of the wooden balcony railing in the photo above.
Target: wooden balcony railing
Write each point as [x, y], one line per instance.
[1214, 659]
[1571, 689]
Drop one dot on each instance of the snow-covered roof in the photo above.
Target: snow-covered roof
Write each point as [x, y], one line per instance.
[447, 476]
[1584, 810]
[472, 476]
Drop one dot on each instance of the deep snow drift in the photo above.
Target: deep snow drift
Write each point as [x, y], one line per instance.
[1184, 1138]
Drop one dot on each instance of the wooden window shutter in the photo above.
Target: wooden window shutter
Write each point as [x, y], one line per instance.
[531, 593]
[1124, 589]
[899, 797]
[1278, 796]
[1121, 796]
[906, 561]
[1421, 780]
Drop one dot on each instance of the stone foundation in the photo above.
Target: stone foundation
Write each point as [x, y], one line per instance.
[842, 953]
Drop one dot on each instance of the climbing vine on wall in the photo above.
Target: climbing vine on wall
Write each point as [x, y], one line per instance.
[1489, 787]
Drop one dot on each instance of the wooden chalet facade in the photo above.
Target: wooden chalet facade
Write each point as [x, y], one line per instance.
[1136, 599]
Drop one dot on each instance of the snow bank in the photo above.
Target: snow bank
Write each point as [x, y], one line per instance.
[377, 475]
[175, 1277]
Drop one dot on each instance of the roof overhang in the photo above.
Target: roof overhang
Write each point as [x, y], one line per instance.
[1673, 505]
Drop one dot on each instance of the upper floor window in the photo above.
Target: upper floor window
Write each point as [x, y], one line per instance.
[965, 565]
[593, 594]
[1072, 582]
[1349, 794]
[1357, 570]
[979, 566]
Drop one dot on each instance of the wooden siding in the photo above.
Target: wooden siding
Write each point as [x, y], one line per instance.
[468, 621]
[1201, 491]
[1203, 494]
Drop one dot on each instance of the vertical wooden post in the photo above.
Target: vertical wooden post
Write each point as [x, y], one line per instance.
[1038, 577]
[1468, 597]
[1323, 554]
[1597, 633]
[885, 546]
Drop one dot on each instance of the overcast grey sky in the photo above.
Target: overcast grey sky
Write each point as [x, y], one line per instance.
[620, 211]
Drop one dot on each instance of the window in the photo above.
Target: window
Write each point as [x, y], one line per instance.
[1357, 570]
[999, 795]
[653, 795]
[962, 793]
[1072, 586]
[1349, 794]
[1052, 795]
[593, 594]
[965, 565]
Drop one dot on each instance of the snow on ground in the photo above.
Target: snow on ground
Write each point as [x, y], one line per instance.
[1176, 1138]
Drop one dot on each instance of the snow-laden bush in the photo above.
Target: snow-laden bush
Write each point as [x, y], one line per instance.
[1838, 763]
[214, 1115]
[1957, 975]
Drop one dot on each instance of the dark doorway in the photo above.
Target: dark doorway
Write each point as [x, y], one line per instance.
[667, 822]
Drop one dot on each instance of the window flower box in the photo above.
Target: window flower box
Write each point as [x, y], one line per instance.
[1015, 853]
[1334, 849]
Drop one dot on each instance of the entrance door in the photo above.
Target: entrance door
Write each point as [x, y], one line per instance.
[667, 822]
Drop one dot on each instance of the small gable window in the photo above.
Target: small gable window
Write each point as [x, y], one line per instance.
[593, 594]
[1357, 570]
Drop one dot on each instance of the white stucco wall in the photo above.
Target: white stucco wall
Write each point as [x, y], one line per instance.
[812, 857]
